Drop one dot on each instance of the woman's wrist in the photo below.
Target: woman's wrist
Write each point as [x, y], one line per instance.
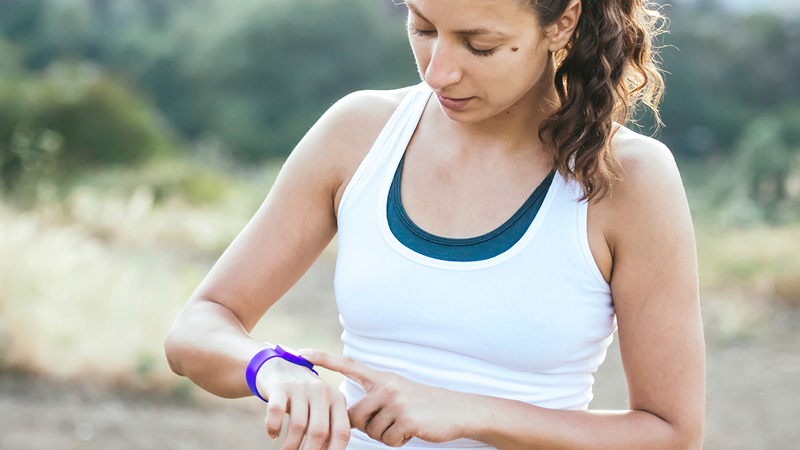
[266, 355]
[276, 370]
[478, 416]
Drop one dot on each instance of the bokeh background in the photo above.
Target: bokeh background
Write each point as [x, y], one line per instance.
[137, 137]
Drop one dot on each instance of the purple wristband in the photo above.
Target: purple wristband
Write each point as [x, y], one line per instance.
[265, 355]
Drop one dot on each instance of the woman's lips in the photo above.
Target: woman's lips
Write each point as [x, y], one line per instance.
[455, 104]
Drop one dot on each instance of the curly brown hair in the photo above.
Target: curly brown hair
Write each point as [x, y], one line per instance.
[606, 71]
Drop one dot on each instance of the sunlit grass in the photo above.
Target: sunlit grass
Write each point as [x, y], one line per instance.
[93, 276]
[91, 280]
[765, 259]
[72, 304]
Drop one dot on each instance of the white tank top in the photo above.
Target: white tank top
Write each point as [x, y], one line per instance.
[530, 324]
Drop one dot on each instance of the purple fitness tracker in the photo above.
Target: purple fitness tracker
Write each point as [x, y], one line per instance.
[265, 355]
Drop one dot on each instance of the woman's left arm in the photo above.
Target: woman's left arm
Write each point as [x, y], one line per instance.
[654, 286]
[648, 229]
[649, 232]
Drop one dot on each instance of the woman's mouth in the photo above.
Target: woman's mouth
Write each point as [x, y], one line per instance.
[454, 104]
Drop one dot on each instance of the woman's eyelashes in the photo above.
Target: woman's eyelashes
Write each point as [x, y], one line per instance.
[418, 32]
[473, 50]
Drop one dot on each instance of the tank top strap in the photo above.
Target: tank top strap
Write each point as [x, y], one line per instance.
[394, 137]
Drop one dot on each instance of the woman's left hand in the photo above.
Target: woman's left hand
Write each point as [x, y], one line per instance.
[396, 409]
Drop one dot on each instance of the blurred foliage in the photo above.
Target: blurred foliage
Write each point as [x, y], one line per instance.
[258, 73]
[766, 161]
[255, 73]
[252, 76]
[759, 182]
[73, 118]
[724, 71]
[194, 181]
[125, 86]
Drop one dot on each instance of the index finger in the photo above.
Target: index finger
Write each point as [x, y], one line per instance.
[361, 374]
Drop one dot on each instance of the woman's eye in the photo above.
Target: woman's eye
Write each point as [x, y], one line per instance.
[428, 33]
[419, 32]
[477, 52]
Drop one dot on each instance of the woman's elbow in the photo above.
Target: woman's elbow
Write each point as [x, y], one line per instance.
[174, 348]
[689, 435]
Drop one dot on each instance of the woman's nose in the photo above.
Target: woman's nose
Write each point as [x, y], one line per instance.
[443, 69]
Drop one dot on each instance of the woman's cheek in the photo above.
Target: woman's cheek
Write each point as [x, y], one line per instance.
[422, 64]
[422, 55]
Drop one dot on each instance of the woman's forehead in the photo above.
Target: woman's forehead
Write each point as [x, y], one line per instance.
[500, 16]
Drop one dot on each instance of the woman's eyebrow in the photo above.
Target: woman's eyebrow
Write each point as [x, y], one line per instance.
[470, 32]
[478, 31]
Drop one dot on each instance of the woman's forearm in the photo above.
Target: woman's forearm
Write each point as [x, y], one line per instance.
[513, 425]
[209, 345]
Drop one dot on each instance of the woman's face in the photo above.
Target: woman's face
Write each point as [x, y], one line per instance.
[481, 57]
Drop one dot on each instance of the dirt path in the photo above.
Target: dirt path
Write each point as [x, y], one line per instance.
[753, 394]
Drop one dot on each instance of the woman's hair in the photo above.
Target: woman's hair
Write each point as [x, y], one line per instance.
[605, 72]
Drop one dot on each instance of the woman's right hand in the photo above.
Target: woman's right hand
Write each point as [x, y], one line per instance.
[317, 411]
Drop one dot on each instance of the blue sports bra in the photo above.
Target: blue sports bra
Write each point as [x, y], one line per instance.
[476, 248]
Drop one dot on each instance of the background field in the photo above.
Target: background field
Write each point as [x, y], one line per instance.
[137, 139]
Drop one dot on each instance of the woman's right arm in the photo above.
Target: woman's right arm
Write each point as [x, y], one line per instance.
[209, 342]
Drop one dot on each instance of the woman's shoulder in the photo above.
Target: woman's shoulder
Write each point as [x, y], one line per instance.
[637, 151]
[648, 192]
[363, 113]
[372, 101]
[647, 165]
[343, 136]
[356, 120]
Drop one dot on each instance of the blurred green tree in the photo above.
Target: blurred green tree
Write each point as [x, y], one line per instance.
[257, 74]
[764, 165]
[71, 119]
[724, 71]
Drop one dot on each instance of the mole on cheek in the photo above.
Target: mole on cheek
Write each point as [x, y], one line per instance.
[515, 48]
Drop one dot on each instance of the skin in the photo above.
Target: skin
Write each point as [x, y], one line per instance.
[482, 161]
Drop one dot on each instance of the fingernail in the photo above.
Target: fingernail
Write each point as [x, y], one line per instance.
[272, 437]
[305, 352]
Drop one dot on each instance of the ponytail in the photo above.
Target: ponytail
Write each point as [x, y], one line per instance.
[604, 73]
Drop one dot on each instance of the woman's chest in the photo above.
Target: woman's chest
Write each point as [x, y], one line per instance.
[528, 315]
[462, 197]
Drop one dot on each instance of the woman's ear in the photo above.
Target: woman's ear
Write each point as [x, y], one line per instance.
[561, 31]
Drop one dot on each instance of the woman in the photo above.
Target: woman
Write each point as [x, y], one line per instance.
[464, 328]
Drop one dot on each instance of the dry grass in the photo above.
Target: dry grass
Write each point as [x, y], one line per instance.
[92, 281]
[747, 276]
[72, 304]
[764, 260]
